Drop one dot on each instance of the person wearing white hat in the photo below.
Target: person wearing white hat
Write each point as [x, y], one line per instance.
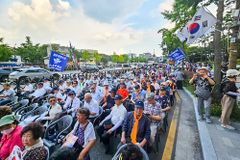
[228, 100]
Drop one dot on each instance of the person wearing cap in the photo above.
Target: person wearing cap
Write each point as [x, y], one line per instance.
[72, 103]
[112, 122]
[123, 92]
[91, 104]
[203, 85]
[7, 95]
[153, 110]
[228, 101]
[11, 132]
[136, 127]
[40, 91]
[138, 94]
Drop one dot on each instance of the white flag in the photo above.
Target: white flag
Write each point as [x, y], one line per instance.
[201, 22]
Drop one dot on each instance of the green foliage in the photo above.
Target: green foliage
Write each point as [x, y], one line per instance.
[31, 53]
[85, 56]
[97, 58]
[5, 51]
[119, 58]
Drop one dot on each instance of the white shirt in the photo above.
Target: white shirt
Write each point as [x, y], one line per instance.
[59, 95]
[156, 86]
[28, 88]
[89, 133]
[117, 116]
[10, 93]
[38, 92]
[118, 113]
[56, 109]
[61, 87]
[92, 106]
[46, 86]
[72, 105]
[77, 90]
[98, 94]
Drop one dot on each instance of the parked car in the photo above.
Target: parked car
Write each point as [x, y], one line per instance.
[89, 68]
[31, 73]
[4, 73]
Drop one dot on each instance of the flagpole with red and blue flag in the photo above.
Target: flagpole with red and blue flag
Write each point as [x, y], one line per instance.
[74, 58]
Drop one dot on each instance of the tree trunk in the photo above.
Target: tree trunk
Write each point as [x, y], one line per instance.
[218, 49]
[234, 43]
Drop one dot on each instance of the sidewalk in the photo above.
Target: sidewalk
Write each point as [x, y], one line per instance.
[218, 143]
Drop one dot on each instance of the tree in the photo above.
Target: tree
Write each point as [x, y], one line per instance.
[97, 58]
[5, 51]
[85, 56]
[217, 43]
[31, 53]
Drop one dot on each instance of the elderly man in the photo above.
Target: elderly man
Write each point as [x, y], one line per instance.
[136, 127]
[203, 85]
[7, 94]
[153, 111]
[112, 122]
[91, 104]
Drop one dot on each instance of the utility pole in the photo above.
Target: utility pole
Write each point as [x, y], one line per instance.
[234, 37]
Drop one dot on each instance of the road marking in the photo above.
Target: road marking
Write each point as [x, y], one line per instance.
[168, 149]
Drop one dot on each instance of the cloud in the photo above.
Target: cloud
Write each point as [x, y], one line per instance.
[64, 5]
[47, 22]
[166, 5]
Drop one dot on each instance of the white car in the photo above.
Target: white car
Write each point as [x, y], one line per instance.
[31, 73]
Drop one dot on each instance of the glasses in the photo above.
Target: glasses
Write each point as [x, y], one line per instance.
[71, 94]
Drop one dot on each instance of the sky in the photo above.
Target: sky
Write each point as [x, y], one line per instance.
[125, 26]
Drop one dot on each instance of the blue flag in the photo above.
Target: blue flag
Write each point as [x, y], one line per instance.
[57, 61]
[177, 56]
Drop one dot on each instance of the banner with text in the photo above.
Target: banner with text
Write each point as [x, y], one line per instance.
[57, 61]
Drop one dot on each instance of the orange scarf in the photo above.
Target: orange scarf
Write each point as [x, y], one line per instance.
[135, 128]
[105, 95]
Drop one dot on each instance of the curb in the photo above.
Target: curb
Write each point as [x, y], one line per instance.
[171, 138]
[208, 150]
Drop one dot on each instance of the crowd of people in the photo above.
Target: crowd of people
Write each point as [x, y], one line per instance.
[130, 104]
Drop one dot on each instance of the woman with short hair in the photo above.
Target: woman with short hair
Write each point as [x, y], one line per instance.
[85, 134]
[32, 141]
